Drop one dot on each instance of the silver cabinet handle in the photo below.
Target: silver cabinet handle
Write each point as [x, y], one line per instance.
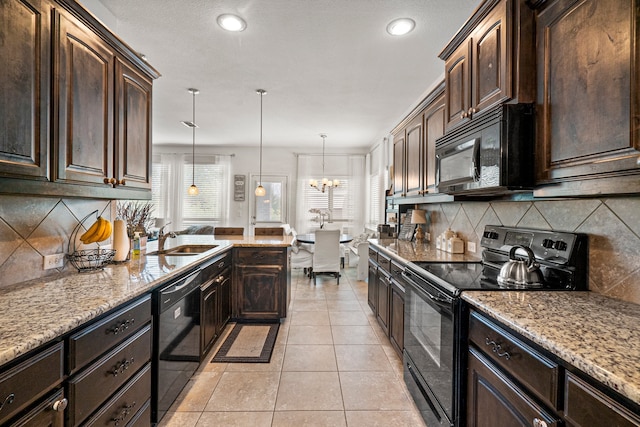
[60, 405]
[537, 422]
[497, 349]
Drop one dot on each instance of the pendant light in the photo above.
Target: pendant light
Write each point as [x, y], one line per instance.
[260, 191]
[325, 182]
[193, 190]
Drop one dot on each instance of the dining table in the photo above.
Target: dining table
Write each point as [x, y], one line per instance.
[311, 238]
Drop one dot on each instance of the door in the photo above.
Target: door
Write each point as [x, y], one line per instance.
[415, 157]
[457, 85]
[270, 210]
[399, 163]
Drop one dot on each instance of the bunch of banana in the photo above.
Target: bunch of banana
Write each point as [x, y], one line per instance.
[99, 231]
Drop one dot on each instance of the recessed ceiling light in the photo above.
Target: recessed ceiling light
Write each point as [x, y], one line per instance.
[231, 22]
[401, 26]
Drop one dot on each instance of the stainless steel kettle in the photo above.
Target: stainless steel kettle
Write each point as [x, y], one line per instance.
[517, 273]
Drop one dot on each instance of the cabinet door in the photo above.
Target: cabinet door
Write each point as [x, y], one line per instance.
[49, 413]
[372, 287]
[399, 163]
[396, 319]
[133, 117]
[415, 157]
[493, 400]
[209, 312]
[588, 96]
[224, 300]
[433, 129]
[24, 84]
[457, 81]
[258, 288]
[84, 145]
[491, 66]
[382, 309]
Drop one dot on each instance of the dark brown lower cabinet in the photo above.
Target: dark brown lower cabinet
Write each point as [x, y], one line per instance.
[494, 400]
[215, 309]
[372, 286]
[262, 281]
[49, 413]
[587, 406]
[396, 318]
[382, 306]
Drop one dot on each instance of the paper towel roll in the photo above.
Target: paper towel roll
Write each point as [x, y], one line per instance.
[120, 240]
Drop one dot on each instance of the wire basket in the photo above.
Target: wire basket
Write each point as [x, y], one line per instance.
[91, 259]
[88, 259]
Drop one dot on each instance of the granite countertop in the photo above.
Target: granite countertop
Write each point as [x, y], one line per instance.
[596, 334]
[411, 251]
[36, 312]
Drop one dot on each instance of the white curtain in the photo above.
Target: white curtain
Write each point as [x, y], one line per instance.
[344, 206]
[168, 187]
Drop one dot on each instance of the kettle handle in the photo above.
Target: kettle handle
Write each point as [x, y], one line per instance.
[530, 255]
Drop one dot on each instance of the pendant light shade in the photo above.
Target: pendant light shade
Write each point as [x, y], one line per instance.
[260, 190]
[193, 190]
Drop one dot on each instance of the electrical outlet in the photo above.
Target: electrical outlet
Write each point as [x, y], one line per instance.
[471, 247]
[53, 261]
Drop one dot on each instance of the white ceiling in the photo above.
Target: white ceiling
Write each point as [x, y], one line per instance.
[328, 66]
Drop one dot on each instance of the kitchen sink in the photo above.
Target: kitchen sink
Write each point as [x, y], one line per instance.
[184, 250]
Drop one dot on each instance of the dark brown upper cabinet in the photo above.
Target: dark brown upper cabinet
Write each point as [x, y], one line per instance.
[414, 146]
[490, 60]
[85, 69]
[588, 97]
[24, 85]
[399, 163]
[76, 121]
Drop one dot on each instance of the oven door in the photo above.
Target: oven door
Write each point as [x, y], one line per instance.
[458, 164]
[429, 349]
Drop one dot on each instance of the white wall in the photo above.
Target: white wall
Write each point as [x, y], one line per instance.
[246, 161]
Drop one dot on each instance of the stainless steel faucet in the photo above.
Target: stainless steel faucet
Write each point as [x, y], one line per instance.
[162, 236]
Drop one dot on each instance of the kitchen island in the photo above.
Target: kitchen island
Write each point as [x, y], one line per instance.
[39, 311]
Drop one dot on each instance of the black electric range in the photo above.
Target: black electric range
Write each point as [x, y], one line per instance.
[563, 259]
[434, 359]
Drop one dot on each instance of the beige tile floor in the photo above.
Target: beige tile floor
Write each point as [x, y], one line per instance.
[331, 366]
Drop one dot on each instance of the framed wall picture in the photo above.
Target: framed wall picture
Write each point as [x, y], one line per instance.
[239, 184]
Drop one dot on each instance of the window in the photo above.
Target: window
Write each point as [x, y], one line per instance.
[172, 175]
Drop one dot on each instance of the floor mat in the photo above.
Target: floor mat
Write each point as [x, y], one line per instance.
[248, 343]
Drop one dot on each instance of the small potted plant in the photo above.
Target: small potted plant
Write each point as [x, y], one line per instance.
[137, 216]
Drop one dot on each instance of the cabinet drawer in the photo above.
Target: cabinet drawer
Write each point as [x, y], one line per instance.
[122, 407]
[384, 263]
[95, 384]
[586, 406]
[102, 335]
[257, 256]
[29, 380]
[524, 363]
[215, 266]
[49, 412]
[396, 270]
[373, 255]
[143, 417]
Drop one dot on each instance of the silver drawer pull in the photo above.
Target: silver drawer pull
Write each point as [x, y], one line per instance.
[7, 401]
[121, 367]
[126, 410]
[60, 405]
[537, 422]
[497, 348]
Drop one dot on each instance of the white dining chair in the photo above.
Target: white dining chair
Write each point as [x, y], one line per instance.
[300, 256]
[326, 254]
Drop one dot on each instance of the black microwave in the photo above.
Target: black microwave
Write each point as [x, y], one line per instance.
[492, 154]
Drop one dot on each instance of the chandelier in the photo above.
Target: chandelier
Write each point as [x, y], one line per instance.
[325, 182]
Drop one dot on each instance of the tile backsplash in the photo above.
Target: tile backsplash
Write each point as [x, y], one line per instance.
[613, 226]
[32, 227]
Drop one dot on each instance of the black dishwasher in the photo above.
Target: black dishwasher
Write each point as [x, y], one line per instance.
[176, 342]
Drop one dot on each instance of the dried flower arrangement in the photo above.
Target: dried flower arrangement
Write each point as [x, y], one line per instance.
[137, 215]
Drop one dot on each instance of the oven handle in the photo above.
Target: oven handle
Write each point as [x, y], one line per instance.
[443, 301]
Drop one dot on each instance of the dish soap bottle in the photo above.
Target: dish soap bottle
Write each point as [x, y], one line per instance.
[136, 243]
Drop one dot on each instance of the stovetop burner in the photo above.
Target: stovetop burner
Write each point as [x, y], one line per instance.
[562, 257]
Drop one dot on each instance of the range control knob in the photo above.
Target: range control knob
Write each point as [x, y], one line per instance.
[490, 235]
[560, 245]
[547, 243]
